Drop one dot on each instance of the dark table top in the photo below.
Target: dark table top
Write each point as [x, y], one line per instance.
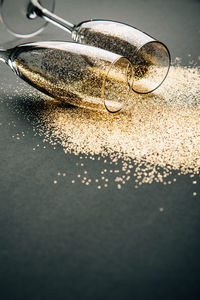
[72, 241]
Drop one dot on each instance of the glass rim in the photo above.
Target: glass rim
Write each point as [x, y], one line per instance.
[129, 88]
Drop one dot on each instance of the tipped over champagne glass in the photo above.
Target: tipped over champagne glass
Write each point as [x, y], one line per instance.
[150, 58]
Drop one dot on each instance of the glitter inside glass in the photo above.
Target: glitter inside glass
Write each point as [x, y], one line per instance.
[77, 74]
[150, 58]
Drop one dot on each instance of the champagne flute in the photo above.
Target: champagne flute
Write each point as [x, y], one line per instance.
[77, 74]
[150, 58]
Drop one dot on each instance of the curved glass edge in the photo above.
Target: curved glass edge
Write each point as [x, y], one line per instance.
[129, 83]
[169, 64]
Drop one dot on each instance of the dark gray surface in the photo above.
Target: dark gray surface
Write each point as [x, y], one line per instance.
[69, 241]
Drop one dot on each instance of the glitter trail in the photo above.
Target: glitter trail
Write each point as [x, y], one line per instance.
[162, 129]
[158, 133]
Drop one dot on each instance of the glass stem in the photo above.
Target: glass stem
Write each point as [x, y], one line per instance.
[35, 9]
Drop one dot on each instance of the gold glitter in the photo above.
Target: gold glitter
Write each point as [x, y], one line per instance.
[156, 135]
[55, 181]
[96, 81]
[194, 182]
[118, 179]
[194, 194]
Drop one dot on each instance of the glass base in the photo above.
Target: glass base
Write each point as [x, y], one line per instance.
[14, 16]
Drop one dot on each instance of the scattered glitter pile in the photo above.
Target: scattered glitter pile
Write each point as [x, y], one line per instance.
[159, 130]
[158, 134]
